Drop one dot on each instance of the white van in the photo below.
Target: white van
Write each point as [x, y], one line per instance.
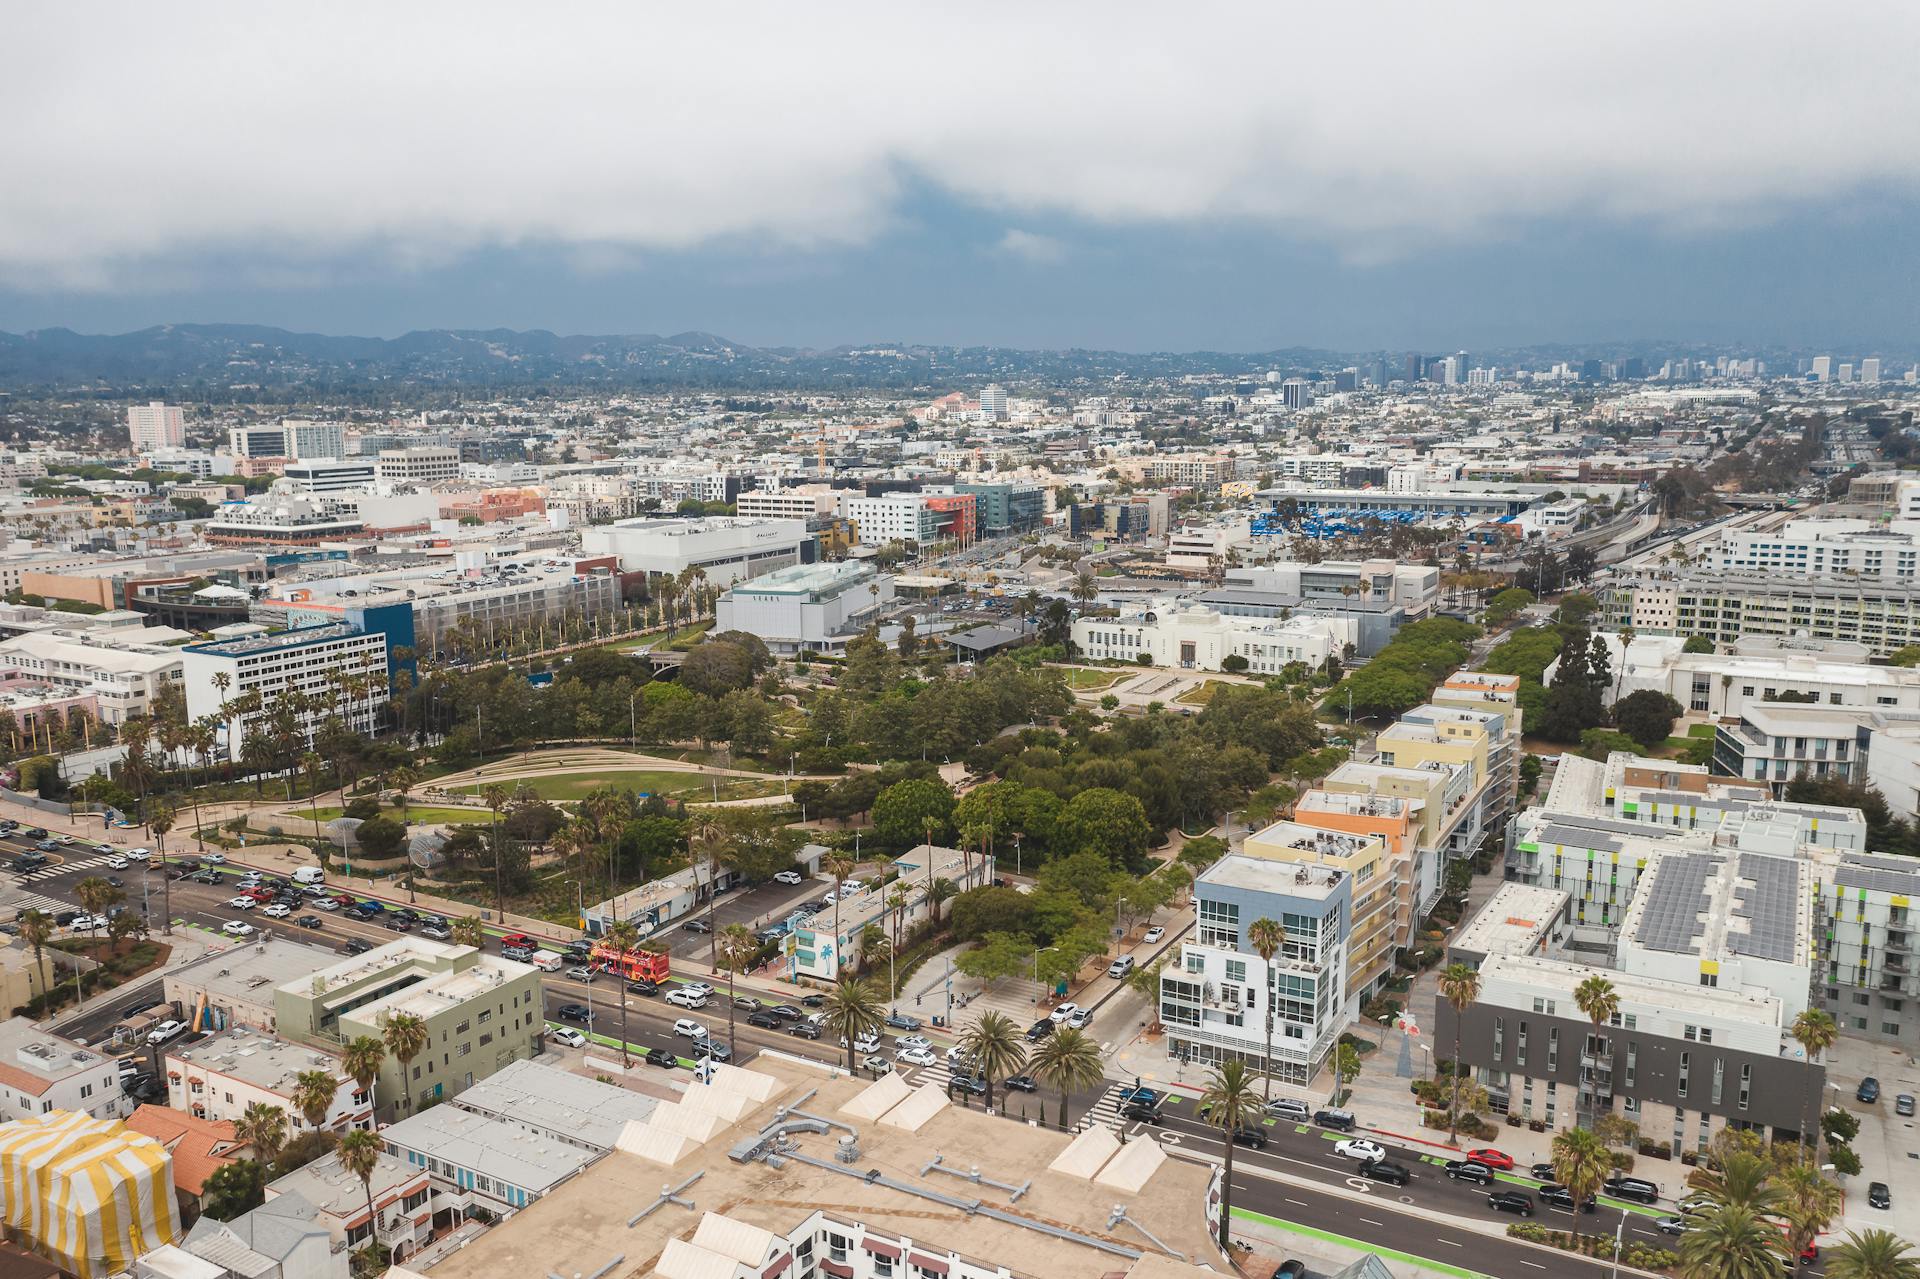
[547, 961]
[309, 875]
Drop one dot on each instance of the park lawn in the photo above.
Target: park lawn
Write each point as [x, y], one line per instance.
[571, 786]
[415, 813]
[1700, 730]
[1201, 695]
[1079, 678]
[640, 645]
[687, 636]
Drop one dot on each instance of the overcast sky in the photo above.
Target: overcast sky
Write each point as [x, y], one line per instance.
[1127, 175]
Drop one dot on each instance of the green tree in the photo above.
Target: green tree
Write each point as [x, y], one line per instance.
[362, 1059]
[737, 948]
[1581, 1163]
[1646, 716]
[902, 810]
[997, 1046]
[359, 1154]
[854, 1009]
[1809, 1202]
[1346, 1068]
[1597, 998]
[381, 838]
[1067, 1060]
[1460, 987]
[36, 930]
[1702, 644]
[1228, 1103]
[469, 931]
[623, 935]
[996, 956]
[405, 1036]
[1815, 1031]
[233, 1189]
[313, 1094]
[1266, 937]
[1733, 1242]
[264, 1128]
[1872, 1254]
[1105, 821]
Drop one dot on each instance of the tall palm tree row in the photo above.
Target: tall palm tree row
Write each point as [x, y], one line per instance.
[1266, 937]
[1069, 1061]
[997, 1048]
[1460, 987]
[1229, 1105]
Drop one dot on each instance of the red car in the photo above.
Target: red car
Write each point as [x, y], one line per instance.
[1497, 1160]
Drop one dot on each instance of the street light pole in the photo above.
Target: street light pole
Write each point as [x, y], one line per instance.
[1619, 1232]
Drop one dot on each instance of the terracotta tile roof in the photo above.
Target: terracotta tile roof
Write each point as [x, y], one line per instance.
[23, 1080]
[198, 1146]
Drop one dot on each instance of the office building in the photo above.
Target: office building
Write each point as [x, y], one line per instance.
[423, 464]
[725, 549]
[1870, 370]
[342, 669]
[993, 402]
[894, 517]
[89, 1195]
[258, 442]
[45, 1073]
[1415, 588]
[1722, 607]
[122, 679]
[1827, 548]
[218, 1077]
[309, 441]
[329, 475]
[234, 986]
[156, 426]
[1214, 999]
[481, 1013]
[1297, 393]
[808, 502]
[1823, 368]
[1193, 636]
[283, 520]
[807, 608]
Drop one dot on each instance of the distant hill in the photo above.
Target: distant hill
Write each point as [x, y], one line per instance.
[213, 358]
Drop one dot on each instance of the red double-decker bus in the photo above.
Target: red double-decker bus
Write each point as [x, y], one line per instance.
[633, 964]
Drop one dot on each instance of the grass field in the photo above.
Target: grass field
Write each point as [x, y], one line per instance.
[1077, 678]
[415, 812]
[640, 645]
[1202, 695]
[692, 786]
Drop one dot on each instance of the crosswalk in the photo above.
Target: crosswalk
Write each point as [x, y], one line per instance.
[1107, 1109]
[92, 861]
[17, 902]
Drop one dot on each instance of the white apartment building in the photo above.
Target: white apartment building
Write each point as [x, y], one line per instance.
[1194, 637]
[305, 658]
[330, 475]
[1214, 999]
[509, 603]
[804, 503]
[257, 441]
[420, 465]
[1866, 934]
[181, 461]
[1880, 614]
[123, 679]
[811, 949]
[221, 1075]
[1830, 549]
[1413, 587]
[307, 441]
[282, 519]
[40, 1072]
[893, 517]
[1202, 546]
[156, 426]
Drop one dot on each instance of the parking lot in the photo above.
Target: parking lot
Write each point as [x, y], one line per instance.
[757, 907]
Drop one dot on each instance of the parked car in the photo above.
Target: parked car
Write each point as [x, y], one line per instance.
[786, 1012]
[788, 877]
[1868, 1091]
[1498, 1160]
[972, 1085]
[1383, 1170]
[1514, 1201]
[900, 1021]
[1543, 1172]
[1040, 1029]
[690, 1028]
[764, 1020]
[1638, 1189]
[166, 1030]
[661, 1057]
[581, 972]
[746, 1003]
[575, 1012]
[868, 1042]
[643, 986]
[137, 1007]
[1060, 1014]
[804, 1030]
[1878, 1196]
[211, 859]
[436, 931]
[1559, 1196]
[242, 902]
[697, 926]
[568, 1036]
[1154, 934]
[279, 910]
[1360, 1148]
[1673, 1225]
[685, 997]
[1338, 1120]
[916, 1057]
[1903, 1104]
[1120, 967]
[1467, 1170]
[1081, 1019]
[237, 928]
[1289, 1108]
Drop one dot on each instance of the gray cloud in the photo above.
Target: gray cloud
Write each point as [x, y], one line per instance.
[143, 138]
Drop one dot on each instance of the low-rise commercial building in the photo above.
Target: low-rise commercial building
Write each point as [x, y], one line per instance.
[423, 464]
[725, 549]
[476, 1163]
[1192, 636]
[806, 608]
[234, 985]
[218, 1077]
[813, 950]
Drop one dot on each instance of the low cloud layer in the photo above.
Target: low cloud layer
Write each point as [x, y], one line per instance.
[143, 140]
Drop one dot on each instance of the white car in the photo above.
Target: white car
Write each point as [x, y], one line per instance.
[956, 1055]
[878, 1065]
[1360, 1148]
[211, 859]
[1154, 934]
[1059, 1015]
[913, 1041]
[278, 911]
[916, 1057]
[237, 928]
[164, 1031]
[242, 903]
[867, 1043]
[116, 862]
[686, 998]
[326, 903]
[63, 839]
[690, 1028]
[788, 877]
[87, 923]
[699, 988]
[567, 1035]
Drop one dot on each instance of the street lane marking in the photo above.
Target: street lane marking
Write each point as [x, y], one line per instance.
[1371, 1222]
[1450, 1243]
[1299, 1203]
[1523, 1261]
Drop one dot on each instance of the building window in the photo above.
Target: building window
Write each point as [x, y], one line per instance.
[1553, 1050]
[1746, 1084]
[1499, 1036]
[1686, 1061]
[1719, 1078]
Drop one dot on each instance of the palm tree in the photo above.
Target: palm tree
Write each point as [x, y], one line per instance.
[1067, 1061]
[1740, 1180]
[495, 796]
[623, 935]
[1732, 1242]
[1228, 1104]
[838, 866]
[1266, 937]
[1597, 999]
[362, 1060]
[737, 946]
[1814, 1030]
[264, 1128]
[711, 836]
[160, 821]
[468, 931]
[1873, 1254]
[313, 1094]
[1581, 1163]
[1459, 986]
[997, 1046]
[36, 929]
[1808, 1203]
[1085, 587]
[854, 1009]
[359, 1153]
[405, 1037]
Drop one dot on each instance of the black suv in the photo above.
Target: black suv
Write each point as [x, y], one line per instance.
[1255, 1137]
[764, 1020]
[661, 1057]
[1040, 1029]
[972, 1085]
[804, 1030]
[1382, 1170]
[1514, 1201]
[1145, 1112]
[1338, 1120]
[643, 986]
[1467, 1170]
[1635, 1188]
[1561, 1197]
